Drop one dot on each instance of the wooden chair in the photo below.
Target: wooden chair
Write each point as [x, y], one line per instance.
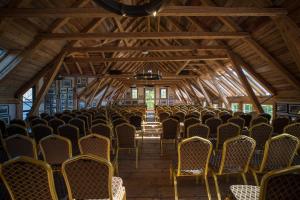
[99, 121]
[261, 133]
[247, 117]
[27, 178]
[40, 131]
[279, 153]
[126, 140]
[199, 130]
[275, 185]
[193, 159]
[225, 117]
[91, 177]
[206, 116]
[102, 129]
[20, 145]
[180, 115]
[170, 131]
[163, 115]
[66, 118]
[19, 122]
[55, 150]
[233, 159]
[293, 129]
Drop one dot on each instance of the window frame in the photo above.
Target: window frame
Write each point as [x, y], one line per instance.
[132, 97]
[244, 105]
[160, 90]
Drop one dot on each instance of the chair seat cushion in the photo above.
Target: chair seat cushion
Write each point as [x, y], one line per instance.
[118, 189]
[243, 192]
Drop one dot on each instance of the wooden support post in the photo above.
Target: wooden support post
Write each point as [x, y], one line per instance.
[237, 66]
[208, 100]
[47, 83]
[90, 101]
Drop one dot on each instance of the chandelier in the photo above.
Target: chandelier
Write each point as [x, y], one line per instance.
[119, 8]
[148, 75]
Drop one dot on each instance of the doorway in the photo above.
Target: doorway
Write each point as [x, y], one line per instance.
[150, 98]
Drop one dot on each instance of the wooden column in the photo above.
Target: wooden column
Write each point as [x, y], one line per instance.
[47, 83]
[237, 66]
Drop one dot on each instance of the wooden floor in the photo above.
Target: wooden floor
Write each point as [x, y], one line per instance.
[151, 179]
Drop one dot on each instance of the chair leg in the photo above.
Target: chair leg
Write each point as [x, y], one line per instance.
[171, 173]
[175, 186]
[244, 178]
[136, 157]
[207, 188]
[161, 147]
[217, 186]
[255, 177]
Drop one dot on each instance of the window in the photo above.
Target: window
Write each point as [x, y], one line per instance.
[235, 107]
[247, 108]
[2, 53]
[268, 109]
[215, 105]
[27, 103]
[134, 93]
[163, 93]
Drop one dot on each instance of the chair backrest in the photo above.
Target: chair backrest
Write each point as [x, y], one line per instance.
[163, 116]
[170, 129]
[279, 124]
[281, 184]
[136, 121]
[258, 120]
[27, 178]
[37, 121]
[40, 131]
[293, 129]
[66, 118]
[72, 133]
[199, 130]
[96, 145]
[226, 131]
[125, 135]
[225, 117]
[188, 122]
[238, 121]
[180, 115]
[88, 177]
[193, 156]
[90, 118]
[267, 116]
[279, 152]
[80, 124]
[99, 121]
[20, 145]
[55, 123]
[236, 154]
[2, 126]
[213, 123]
[15, 129]
[119, 121]
[102, 129]
[237, 114]
[19, 122]
[206, 116]
[55, 149]
[261, 133]
[247, 117]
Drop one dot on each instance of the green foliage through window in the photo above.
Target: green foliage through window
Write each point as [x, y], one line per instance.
[247, 108]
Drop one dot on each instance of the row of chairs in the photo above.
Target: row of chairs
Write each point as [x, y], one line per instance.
[196, 158]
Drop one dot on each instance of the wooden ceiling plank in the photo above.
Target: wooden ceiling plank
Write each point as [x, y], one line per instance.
[205, 94]
[92, 97]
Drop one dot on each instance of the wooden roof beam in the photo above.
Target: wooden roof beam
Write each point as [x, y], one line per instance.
[166, 12]
[145, 36]
[145, 59]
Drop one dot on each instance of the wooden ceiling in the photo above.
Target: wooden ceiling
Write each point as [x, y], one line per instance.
[192, 43]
